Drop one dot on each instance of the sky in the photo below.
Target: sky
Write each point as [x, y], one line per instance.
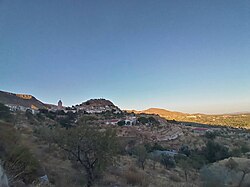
[190, 56]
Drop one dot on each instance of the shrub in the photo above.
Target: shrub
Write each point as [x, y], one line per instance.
[236, 152]
[215, 152]
[143, 120]
[213, 176]
[197, 160]
[244, 148]
[168, 161]
[185, 150]
[5, 112]
[231, 164]
[153, 120]
[141, 153]
[121, 123]
[210, 135]
[93, 149]
[156, 146]
[231, 174]
[21, 164]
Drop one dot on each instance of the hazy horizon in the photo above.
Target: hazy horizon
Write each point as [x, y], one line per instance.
[189, 56]
[227, 111]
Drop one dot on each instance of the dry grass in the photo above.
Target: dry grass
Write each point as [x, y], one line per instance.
[135, 178]
[110, 180]
[175, 177]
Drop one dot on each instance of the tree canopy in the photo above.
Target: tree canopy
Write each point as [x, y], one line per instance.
[92, 148]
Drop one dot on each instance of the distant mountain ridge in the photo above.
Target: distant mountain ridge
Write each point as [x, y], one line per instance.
[233, 120]
[161, 112]
[103, 105]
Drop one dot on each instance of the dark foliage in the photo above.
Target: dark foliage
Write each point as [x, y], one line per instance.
[4, 113]
[168, 161]
[214, 151]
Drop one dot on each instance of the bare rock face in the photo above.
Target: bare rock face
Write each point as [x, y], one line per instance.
[3, 178]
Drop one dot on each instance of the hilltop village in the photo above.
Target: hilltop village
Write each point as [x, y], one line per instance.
[63, 144]
[114, 116]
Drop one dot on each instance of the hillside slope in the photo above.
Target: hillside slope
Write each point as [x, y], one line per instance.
[98, 106]
[21, 100]
[232, 120]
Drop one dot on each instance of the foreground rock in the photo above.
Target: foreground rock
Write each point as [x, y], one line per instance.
[3, 178]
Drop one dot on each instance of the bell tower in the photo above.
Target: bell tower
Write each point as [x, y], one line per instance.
[59, 105]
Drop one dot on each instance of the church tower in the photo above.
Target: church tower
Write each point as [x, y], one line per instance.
[59, 106]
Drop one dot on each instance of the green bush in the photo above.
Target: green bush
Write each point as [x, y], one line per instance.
[142, 155]
[244, 148]
[21, 164]
[210, 135]
[143, 120]
[153, 120]
[168, 161]
[215, 151]
[121, 123]
[156, 146]
[185, 150]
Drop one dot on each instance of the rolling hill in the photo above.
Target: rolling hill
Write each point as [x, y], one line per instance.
[239, 120]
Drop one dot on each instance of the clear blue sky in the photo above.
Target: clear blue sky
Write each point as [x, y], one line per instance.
[191, 56]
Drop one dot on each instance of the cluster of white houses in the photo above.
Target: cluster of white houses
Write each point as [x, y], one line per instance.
[85, 108]
[32, 108]
[14, 108]
[97, 109]
[128, 121]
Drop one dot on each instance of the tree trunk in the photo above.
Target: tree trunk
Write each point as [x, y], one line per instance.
[142, 165]
[90, 177]
[186, 175]
[242, 178]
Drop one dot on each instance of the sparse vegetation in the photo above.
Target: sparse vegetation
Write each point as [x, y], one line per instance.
[89, 147]
[215, 152]
[141, 153]
[19, 162]
[84, 145]
[168, 161]
[134, 177]
[4, 113]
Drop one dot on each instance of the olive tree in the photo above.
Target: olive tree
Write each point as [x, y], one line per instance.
[141, 153]
[185, 164]
[92, 148]
[168, 161]
[243, 168]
